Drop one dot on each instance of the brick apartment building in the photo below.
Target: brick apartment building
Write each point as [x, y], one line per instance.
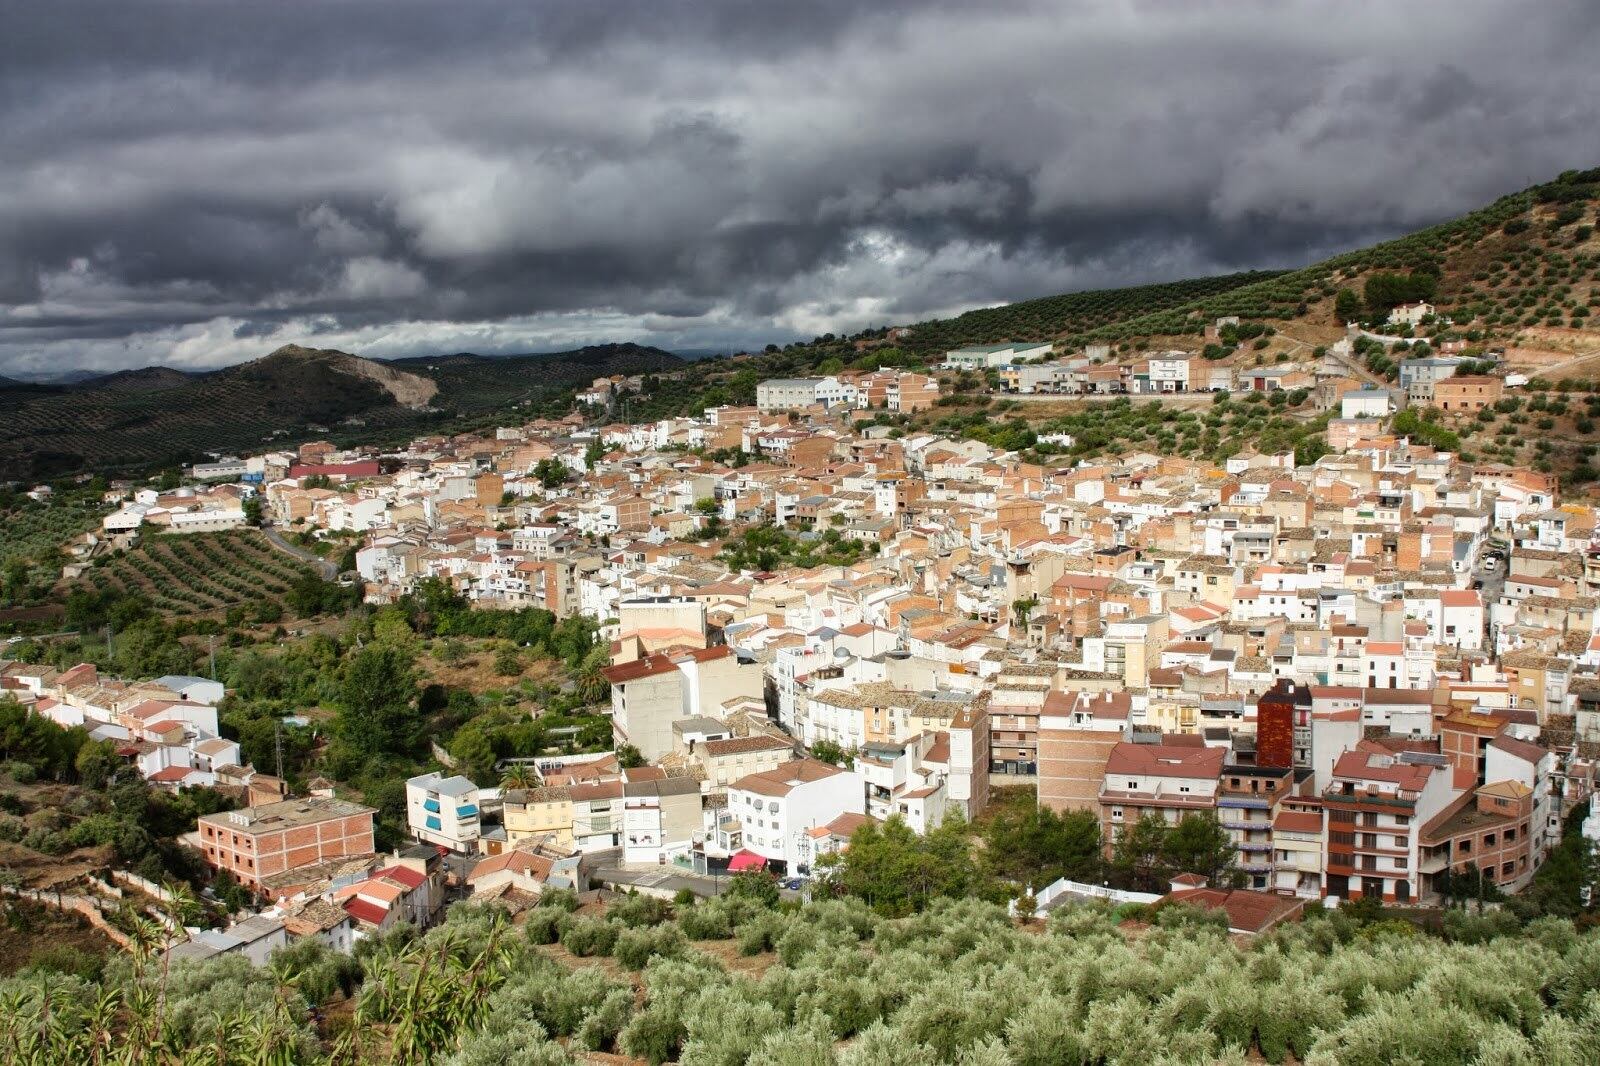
[255, 843]
[1077, 731]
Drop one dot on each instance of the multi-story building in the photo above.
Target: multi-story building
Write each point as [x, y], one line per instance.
[444, 811]
[1249, 799]
[776, 811]
[255, 843]
[660, 815]
[1167, 779]
[1298, 850]
[726, 761]
[1077, 732]
[1377, 804]
[648, 695]
[540, 815]
[786, 394]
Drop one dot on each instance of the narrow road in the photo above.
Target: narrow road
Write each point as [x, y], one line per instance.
[329, 571]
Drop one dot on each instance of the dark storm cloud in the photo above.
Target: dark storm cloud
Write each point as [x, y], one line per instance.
[195, 182]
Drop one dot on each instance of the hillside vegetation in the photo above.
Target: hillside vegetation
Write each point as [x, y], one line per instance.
[1052, 317]
[735, 981]
[1519, 271]
[136, 421]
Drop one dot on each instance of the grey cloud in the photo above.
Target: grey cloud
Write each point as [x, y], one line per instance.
[197, 182]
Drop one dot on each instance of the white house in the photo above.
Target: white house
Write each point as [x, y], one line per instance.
[786, 394]
[1410, 314]
[1169, 372]
[777, 809]
[443, 811]
[1366, 402]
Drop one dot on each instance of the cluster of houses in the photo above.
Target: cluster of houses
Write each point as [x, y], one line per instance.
[167, 727]
[1377, 671]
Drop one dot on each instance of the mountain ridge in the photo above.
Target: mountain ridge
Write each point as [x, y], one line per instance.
[138, 420]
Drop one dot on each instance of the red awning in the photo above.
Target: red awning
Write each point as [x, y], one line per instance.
[746, 860]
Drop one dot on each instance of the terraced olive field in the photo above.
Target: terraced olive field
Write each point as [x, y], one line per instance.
[199, 573]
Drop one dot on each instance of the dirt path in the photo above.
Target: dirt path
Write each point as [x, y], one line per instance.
[328, 570]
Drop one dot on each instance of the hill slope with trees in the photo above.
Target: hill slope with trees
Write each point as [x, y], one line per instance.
[136, 421]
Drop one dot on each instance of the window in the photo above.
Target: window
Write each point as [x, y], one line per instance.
[1511, 835]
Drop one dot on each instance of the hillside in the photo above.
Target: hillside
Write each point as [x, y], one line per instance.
[832, 983]
[138, 420]
[1052, 317]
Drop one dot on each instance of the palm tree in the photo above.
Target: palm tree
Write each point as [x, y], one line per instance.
[519, 775]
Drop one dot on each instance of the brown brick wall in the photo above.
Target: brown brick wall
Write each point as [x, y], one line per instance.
[1072, 766]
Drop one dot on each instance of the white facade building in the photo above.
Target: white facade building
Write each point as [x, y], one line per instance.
[443, 811]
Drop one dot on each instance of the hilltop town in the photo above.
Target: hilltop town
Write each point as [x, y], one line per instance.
[1374, 674]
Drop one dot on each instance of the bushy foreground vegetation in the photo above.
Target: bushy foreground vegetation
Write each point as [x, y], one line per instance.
[957, 983]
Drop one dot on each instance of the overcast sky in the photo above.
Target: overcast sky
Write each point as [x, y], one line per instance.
[197, 183]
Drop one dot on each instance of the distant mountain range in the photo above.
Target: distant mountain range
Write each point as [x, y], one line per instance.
[138, 420]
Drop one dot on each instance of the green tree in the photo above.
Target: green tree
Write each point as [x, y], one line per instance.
[377, 702]
[1034, 845]
[758, 885]
[1198, 844]
[551, 472]
[1139, 853]
[1347, 306]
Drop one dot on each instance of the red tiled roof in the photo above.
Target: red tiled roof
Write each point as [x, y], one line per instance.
[649, 666]
[1164, 760]
[1297, 822]
[404, 874]
[362, 911]
[1252, 912]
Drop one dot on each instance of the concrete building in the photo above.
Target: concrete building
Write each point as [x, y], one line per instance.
[660, 815]
[986, 356]
[1169, 780]
[1467, 393]
[444, 811]
[648, 695]
[786, 394]
[777, 810]
[1377, 806]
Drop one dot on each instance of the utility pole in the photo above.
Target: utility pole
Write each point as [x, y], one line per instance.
[277, 745]
[211, 649]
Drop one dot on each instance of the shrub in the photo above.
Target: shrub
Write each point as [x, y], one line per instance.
[563, 899]
[761, 934]
[587, 937]
[543, 925]
[711, 920]
[635, 947]
[654, 1035]
[638, 910]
